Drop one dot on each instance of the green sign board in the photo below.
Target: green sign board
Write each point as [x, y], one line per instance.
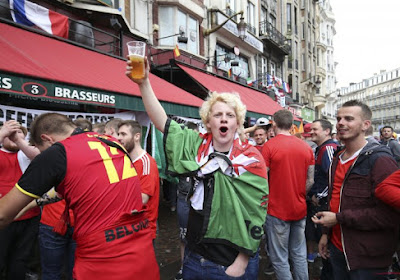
[42, 90]
[308, 115]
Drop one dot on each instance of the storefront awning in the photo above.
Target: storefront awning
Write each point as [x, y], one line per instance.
[255, 101]
[44, 68]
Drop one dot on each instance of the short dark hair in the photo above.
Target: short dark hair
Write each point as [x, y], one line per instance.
[261, 127]
[387, 126]
[325, 125]
[49, 123]
[365, 110]
[283, 119]
[83, 123]
[134, 126]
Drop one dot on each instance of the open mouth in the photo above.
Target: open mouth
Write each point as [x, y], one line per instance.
[223, 129]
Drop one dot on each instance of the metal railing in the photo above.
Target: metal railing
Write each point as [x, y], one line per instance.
[83, 33]
[267, 29]
[251, 28]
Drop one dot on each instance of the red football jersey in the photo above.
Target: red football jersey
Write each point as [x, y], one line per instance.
[146, 168]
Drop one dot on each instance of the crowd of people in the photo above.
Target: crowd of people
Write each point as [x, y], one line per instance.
[90, 192]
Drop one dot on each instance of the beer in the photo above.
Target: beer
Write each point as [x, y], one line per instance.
[137, 66]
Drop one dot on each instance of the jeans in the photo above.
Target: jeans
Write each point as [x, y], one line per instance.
[16, 243]
[57, 252]
[287, 240]
[340, 272]
[195, 267]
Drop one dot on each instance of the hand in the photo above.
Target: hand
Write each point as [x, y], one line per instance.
[129, 70]
[235, 270]
[238, 267]
[325, 218]
[9, 127]
[323, 246]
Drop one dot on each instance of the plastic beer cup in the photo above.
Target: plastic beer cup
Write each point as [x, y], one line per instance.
[136, 51]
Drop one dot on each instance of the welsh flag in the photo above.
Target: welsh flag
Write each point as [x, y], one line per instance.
[238, 202]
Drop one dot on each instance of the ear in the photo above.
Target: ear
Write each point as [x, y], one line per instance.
[366, 125]
[47, 138]
[137, 137]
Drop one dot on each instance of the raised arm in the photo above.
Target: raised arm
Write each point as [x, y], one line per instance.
[30, 151]
[153, 107]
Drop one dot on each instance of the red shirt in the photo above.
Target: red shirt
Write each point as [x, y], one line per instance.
[341, 170]
[288, 159]
[146, 168]
[10, 172]
[389, 190]
[51, 214]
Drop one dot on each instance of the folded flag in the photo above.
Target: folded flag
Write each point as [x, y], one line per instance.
[31, 14]
[250, 82]
[286, 87]
[176, 51]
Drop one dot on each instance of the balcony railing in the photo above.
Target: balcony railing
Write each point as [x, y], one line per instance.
[268, 30]
[85, 34]
[251, 28]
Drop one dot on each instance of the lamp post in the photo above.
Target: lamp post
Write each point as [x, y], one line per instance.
[241, 26]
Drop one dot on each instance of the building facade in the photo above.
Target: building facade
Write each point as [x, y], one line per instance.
[381, 92]
[286, 53]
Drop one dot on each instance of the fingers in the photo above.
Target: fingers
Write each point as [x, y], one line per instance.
[317, 218]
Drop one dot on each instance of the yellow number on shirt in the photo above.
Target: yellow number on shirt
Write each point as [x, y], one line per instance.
[128, 170]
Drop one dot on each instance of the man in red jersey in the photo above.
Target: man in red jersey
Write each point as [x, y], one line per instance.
[100, 185]
[16, 241]
[130, 135]
[363, 230]
[290, 162]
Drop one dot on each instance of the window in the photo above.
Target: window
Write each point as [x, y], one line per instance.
[273, 68]
[303, 27]
[272, 20]
[289, 17]
[251, 17]
[138, 8]
[173, 21]
[263, 14]
[222, 53]
[231, 4]
[295, 20]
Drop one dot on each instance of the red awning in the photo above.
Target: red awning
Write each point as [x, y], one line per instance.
[254, 100]
[30, 54]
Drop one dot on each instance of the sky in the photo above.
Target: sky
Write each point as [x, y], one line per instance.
[367, 38]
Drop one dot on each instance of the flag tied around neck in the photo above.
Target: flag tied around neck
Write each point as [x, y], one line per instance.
[31, 14]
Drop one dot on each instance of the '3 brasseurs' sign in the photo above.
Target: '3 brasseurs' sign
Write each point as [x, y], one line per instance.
[56, 92]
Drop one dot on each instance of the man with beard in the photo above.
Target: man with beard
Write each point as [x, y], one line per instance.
[17, 240]
[363, 231]
[130, 136]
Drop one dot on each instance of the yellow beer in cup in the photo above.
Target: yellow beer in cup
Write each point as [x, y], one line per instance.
[136, 50]
[137, 66]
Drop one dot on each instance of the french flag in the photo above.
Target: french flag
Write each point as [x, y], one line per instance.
[31, 14]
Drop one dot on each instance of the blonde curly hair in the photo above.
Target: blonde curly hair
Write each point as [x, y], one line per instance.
[231, 99]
